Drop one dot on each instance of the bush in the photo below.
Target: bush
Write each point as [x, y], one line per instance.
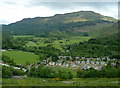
[65, 74]
[48, 72]
[9, 72]
[17, 72]
[105, 72]
[6, 73]
[56, 79]
[80, 73]
[7, 60]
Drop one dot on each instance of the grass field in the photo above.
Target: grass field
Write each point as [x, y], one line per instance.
[16, 36]
[51, 82]
[57, 43]
[21, 57]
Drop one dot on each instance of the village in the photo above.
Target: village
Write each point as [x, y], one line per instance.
[81, 63]
[72, 62]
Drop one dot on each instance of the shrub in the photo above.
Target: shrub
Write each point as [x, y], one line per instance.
[48, 72]
[56, 79]
[6, 73]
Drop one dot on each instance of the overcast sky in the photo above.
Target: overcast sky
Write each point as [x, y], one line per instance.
[15, 10]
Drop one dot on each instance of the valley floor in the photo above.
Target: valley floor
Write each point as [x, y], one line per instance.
[51, 82]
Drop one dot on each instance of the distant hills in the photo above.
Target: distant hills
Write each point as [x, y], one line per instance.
[82, 23]
[102, 29]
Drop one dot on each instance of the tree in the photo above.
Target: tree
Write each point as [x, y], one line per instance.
[80, 73]
[6, 73]
[6, 40]
[7, 60]
[65, 74]
[70, 75]
[42, 57]
[55, 58]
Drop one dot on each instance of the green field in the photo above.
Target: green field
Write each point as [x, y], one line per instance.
[19, 36]
[57, 43]
[21, 57]
[51, 82]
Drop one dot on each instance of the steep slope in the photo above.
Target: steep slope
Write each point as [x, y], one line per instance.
[76, 23]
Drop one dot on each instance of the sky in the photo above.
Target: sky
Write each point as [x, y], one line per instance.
[16, 10]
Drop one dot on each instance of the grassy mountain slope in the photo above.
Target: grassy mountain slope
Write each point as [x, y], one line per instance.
[76, 23]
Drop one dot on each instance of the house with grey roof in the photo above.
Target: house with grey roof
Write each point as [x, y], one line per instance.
[60, 61]
[65, 64]
[82, 62]
[83, 57]
[113, 64]
[77, 57]
[87, 62]
[103, 58]
[98, 58]
[73, 65]
[102, 63]
[97, 62]
[108, 58]
[69, 62]
[86, 66]
[92, 62]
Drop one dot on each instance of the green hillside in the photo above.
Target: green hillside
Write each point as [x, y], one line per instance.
[77, 23]
[107, 46]
[21, 57]
[106, 31]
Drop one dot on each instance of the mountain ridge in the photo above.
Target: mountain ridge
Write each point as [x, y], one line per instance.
[76, 23]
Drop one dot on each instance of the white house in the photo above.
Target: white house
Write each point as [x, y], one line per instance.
[10, 49]
[88, 66]
[58, 64]
[60, 61]
[98, 58]
[102, 63]
[3, 64]
[52, 63]
[83, 57]
[108, 59]
[97, 67]
[113, 59]
[2, 50]
[87, 62]
[73, 65]
[113, 64]
[65, 65]
[97, 62]
[16, 67]
[77, 62]
[103, 58]
[24, 69]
